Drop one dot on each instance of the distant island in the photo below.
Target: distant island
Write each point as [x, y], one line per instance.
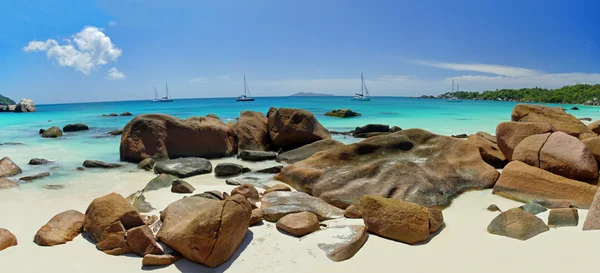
[6, 101]
[309, 94]
[572, 94]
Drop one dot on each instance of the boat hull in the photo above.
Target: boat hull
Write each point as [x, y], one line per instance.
[244, 100]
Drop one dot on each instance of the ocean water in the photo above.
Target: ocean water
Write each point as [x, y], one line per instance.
[72, 149]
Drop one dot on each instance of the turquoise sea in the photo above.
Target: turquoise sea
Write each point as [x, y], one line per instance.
[68, 152]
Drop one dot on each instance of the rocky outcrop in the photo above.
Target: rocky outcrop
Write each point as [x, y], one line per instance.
[184, 167]
[307, 151]
[518, 224]
[249, 155]
[7, 239]
[25, 105]
[299, 223]
[510, 134]
[525, 183]
[8, 167]
[62, 228]
[164, 136]
[399, 220]
[292, 128]
[560, 154]
[109, 210]
[101, 164]
[280, 203]
[489, 150]
[252, 131]
[556, 116]
[52, 132]
[205, 231]
[412, 165]
[342, 113]
[75, 127]
[563, 217]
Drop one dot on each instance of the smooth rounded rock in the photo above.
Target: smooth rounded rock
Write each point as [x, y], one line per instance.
[299, 224]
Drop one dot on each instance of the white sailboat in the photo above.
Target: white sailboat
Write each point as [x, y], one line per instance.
[364, 91]
[454, 99]
[246, 95]
[166, 98]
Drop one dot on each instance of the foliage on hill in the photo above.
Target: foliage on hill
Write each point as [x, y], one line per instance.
[579, 93]
[6, 101]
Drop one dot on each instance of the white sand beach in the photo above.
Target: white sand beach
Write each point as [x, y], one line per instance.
[463, 245]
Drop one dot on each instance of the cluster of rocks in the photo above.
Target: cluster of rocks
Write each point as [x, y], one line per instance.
[55, 131]
[25, 105]
[124, 114]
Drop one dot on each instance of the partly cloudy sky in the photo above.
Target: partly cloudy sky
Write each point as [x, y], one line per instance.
[71, 50]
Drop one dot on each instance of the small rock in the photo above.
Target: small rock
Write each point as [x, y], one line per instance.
[493, 207]
[62, 228]
[116, 132]
[52, 132]
[299, 224]
[138, 200]
[256, 217]
[274, 169]
[141, 241]
[554, 203]
[75, 127]
[34, 177]
[101, 164]
[249, 155]
[395, 129]
[42, 130]
[125, 114]
[7, 239]
[113, 240]
[228, 169]
[113, 115]
[533, 208]
[518, 224]
[157, 260]
[146, 164]
[8, 167]
[565, 217]
[364, 131]
[254, 181]
[53, 186]
[277, 187]
[184, 167]
[149, 220]
[574, 108]
[159, 182]
[353, 212]
[80, 168]
[586, 119]
[341, 242]
[13, 144]
[38, 161]
[180, 186]
[342, 113]
[460, 136]
[6, 183]
[247, 191]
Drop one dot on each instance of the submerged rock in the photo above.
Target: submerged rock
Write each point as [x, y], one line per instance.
[164, 136]
[342, 113]
[8, 167]
[101, 164]
[292, 128]
[7, 239]
[516, 183]
[556, 116]
[565, 217]
[52, 132]
[412, 165]
[53, 186]
[280, 203]
[252, 131]
[205, 231]
[125, 114]
[364, 131]
[6, 183]
[34, 177]
[38, 161]
[307, 151]
[249, 155]
[75, 127]
[518, 224]
[116, 132]
[62, 228]
[184, 167]
[399, 220]
[299, 223]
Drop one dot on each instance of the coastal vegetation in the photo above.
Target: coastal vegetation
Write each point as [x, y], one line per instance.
[6, 101]
[579, 93]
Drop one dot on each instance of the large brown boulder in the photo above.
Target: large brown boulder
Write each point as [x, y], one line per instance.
[252, 131]
[281, 203]
[307, 151]
[510, 134]
[594, 127]
[292, 128]
[560, 154]
[412, 165]
[397, 220]
[203, 230]
[594, 145]
[61, 229]
[525, 183]
[489, 150]
[105, 211]
[164, 136]
[7, 239]
[556, 116]
[518, 224]
[8, 167]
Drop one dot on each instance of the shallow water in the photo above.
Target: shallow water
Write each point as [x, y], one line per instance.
[72, 149]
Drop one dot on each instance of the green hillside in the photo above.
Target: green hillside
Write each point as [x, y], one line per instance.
[579, 93]
[6, 101]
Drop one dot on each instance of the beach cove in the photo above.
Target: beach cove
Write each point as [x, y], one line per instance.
[264, 248]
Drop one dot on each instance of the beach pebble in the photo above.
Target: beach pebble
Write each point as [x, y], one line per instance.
[157, 260]
[277, 187]
[7, 239]
[8, 167]
[353, 212]
[146, 164]
[493, 207]
[563, 217]
[518, 224]
[228, 169]
[62, 228]
[6, 183]
[533, 208]
[180, 186]
[250, 155]
[299, 224]
[184, 167]
[38, 161]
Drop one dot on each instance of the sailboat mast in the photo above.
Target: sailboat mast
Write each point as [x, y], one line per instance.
[245, 88]
[167, 87]
[155, 94]
[362, 84]
[452, 86]
[457, 87]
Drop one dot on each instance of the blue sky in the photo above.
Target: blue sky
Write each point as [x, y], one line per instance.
[71, 51]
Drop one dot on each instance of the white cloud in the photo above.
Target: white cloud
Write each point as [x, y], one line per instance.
[112, 23]
[84, 51]
[199, 80]
[223, 77]
[114, 74]
[502, 70]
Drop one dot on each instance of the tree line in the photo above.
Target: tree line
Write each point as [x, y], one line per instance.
[579, 93]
